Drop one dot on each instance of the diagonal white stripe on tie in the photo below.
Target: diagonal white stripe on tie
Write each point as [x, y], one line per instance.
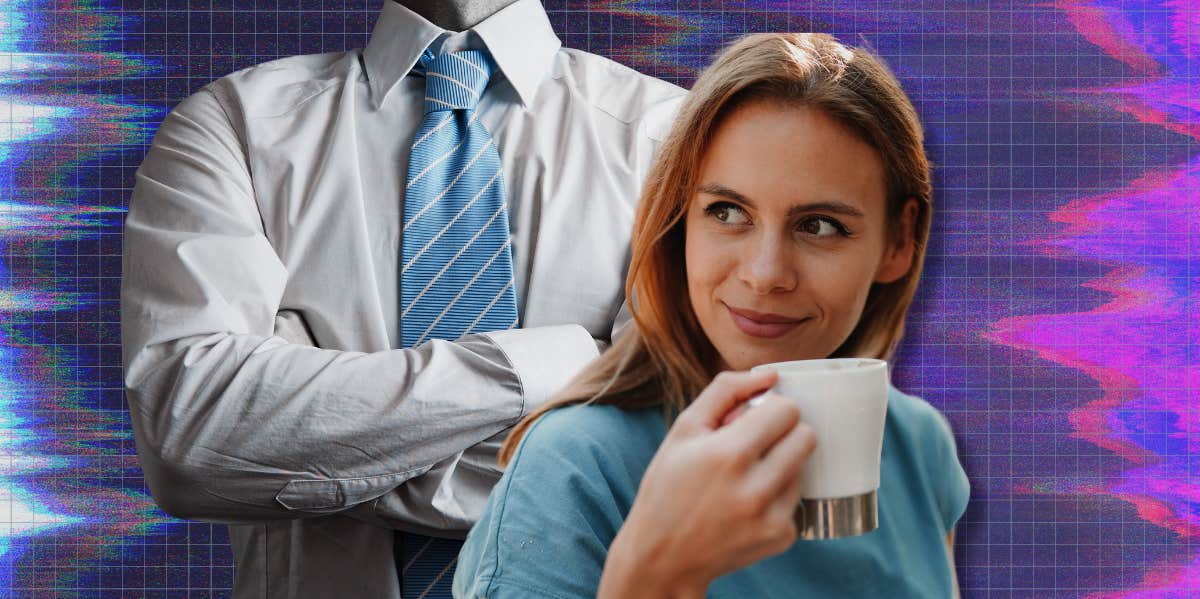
[438, 578]
[446, 310]
[434, 201]
[440, 160]
[471, 64]
[488, 308]
[439, 234]
[445, 121]
[455, 81]
[445, 268]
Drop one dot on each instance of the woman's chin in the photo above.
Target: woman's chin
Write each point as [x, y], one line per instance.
[745, 359]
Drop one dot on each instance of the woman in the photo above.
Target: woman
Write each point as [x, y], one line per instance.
[786, 218]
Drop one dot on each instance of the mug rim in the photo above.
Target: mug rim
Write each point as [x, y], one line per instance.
[790, 366]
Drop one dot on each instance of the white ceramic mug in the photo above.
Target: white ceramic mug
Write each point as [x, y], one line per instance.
[845, 402]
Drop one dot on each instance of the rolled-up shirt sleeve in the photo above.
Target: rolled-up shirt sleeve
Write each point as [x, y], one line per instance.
[234, 423]
[448, 499]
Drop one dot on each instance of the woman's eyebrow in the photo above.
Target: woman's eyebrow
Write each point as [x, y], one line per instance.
[835, 207]
[717, 189]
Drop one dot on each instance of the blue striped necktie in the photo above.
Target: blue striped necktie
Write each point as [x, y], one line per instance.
[456, 267]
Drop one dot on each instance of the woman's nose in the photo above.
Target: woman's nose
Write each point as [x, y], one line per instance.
[767, 266]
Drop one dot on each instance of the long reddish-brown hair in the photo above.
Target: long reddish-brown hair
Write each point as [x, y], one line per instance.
[665, 359]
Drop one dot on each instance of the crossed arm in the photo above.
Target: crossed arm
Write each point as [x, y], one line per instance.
[236, 423]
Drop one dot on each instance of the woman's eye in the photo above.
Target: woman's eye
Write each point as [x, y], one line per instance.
[727, 213]
[821, 226]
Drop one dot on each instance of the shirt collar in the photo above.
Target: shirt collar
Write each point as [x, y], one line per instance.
[519, 38]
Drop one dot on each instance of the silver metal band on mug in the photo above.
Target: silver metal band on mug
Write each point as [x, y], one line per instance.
[837, 517]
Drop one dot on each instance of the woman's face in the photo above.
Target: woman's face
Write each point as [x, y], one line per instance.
[786, 234]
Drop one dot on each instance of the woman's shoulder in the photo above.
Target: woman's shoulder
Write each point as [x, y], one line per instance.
[589, 431]
[923, 436]
[576, 473]
[598, 419]
[914, 416]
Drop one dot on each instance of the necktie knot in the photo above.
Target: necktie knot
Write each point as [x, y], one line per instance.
[455, 81]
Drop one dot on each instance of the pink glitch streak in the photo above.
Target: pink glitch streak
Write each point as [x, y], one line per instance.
[1092, 421]
[1109, 31]
[1156, 103]
[1166, 578]
[1184, 23]
[1130, 346]
[1143, 112]
[1151, 100]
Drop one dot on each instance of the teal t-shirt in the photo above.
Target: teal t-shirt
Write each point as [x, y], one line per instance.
[549, 522]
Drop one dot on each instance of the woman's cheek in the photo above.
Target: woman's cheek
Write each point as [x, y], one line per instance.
[844, 294]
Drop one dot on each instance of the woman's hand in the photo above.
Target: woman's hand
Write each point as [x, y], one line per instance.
[714, 499]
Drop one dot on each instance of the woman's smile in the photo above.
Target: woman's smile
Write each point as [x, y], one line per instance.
[758, 324]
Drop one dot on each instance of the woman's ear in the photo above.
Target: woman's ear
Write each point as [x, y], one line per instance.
[898, 255]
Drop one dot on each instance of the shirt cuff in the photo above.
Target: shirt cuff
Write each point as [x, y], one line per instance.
[545, 358]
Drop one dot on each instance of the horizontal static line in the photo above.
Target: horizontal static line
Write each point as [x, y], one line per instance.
[18, 322]
[874, 11]
[1110, 261]
[1183, 143]
[987, 409]
[1000, 96]
[926, 39]
[974, 436]
[968, 589]
[993, 523]
[969, 435]
[937, 190]
[990, 238]
[1010, 94]
[919, 98]
[1048, 409]
[951, 56]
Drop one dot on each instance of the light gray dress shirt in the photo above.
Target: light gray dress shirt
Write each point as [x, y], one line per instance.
[266, 220]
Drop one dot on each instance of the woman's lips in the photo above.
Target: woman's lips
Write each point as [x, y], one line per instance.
[763, 325]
